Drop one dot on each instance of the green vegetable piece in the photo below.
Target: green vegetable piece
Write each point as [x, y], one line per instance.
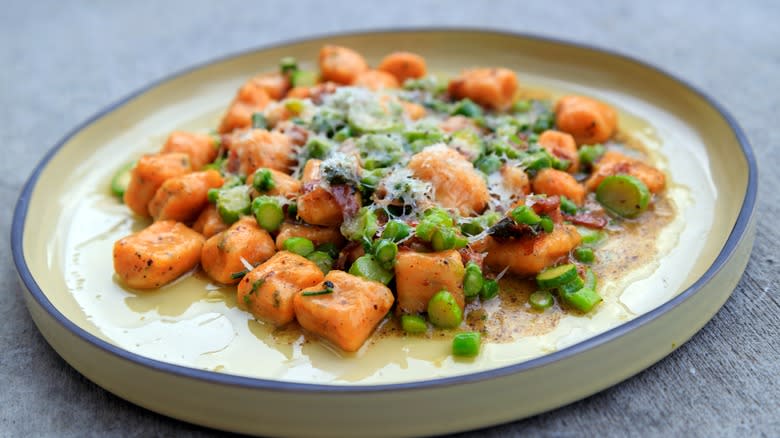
[489, 290]
[268, 212]
[232, 203]
[466, 107]
[583, 300]
[568, 206]
[474, 226]
[422, 136]
[505, 149]
[443, 310]
[584, 254]
[121, 179]
[329, 248]
[327, 121]
[543, 122]
[431, 83]
[362, 227]
[434, 219]
[590, 236]
[573, 286]
[385, 252]
[557, 276]
[521, 106]
[368, 267]
[215, 165]
[304, 78]
[466, 344]
[343, 133]
[292, 210]
[438, 216]
[524, 214]
[288, 65]
[322, 259]
[212, 195]
[472, 280]
[443, 239]
[263, 180]
[232, 181]
[623, 195]
[560, 163]
[468, 143]
[488, 164]
[317, 147]
[589, 154]
[547, 224]
[259, 121]
[396, 230]
[591, 281]
[541, 300]
[299, 245]
[537, 160]
[413, 324]
[379, 150]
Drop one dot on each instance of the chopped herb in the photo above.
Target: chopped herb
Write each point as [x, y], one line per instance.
[328, 289]
[256, 285]
[238, 275]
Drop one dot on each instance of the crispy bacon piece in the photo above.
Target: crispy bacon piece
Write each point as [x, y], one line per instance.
[590, 220]
[345, 196]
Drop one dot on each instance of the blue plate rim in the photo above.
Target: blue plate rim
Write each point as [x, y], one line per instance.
[735, 237]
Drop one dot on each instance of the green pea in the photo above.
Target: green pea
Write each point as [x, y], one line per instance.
[488, 164]
[547, 224]
[472, 280]
[396, 230]
[489, 290]
[524, 214]
[413, 324]
[444, 311]
[568, 206]
[589, 154]
[322, 259]
[466, 107]
[330, 248]
[584, 254]
[466, 344]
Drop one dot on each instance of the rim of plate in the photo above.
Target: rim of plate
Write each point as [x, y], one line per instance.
[735, 236]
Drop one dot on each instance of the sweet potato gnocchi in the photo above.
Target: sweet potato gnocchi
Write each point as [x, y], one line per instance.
[337, 199]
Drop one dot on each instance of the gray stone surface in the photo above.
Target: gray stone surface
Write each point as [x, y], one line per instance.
[63, 61]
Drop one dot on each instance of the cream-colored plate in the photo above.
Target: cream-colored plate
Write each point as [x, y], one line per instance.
[188, 352]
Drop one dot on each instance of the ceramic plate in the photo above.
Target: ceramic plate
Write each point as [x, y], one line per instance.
[190, 353]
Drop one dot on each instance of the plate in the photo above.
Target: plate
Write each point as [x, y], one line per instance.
[190, 354]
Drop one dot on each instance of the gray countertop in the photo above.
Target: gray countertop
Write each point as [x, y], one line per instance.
[64, 61]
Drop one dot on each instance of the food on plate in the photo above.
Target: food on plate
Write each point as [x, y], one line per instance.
[358, 194]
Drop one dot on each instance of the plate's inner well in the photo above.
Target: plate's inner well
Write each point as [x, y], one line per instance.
[196, 323]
